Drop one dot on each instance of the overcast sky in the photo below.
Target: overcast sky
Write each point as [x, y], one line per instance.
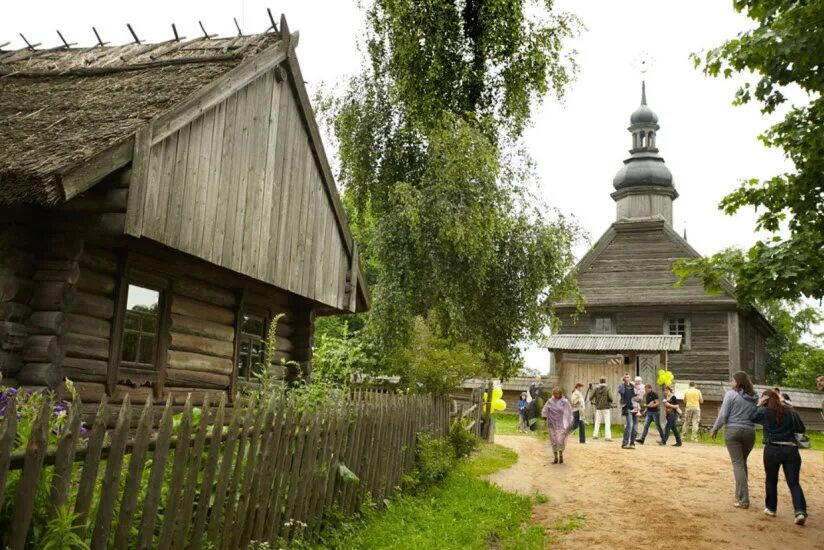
[708, 144]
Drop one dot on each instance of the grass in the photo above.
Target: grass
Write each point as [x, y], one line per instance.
[507, 424]
[462, 512]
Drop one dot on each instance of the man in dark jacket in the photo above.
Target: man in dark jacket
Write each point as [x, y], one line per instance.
[602, 401]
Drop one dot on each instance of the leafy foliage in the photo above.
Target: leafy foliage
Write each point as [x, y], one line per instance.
[463, 442]
[436, 185]
[434, 459]
[61, 532]
[792, 361]
[785, 48]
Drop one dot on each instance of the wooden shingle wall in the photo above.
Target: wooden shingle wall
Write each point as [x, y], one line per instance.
[240, 186]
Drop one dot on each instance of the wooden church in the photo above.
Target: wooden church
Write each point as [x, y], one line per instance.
[628, 288]
[159, 204]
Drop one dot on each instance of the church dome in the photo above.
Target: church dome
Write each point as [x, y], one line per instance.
[643, 115]
[642, 171]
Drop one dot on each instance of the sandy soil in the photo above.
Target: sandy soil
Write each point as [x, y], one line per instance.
[682, 497]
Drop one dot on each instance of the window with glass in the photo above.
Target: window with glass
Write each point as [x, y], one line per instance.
[252, 346]
[141, 328]
[603, 325]
[680, 326]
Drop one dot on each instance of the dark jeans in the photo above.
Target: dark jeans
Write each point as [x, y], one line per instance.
[671, 420]
[652, 416]
[630, 429]
[776, 456]
[578, 424]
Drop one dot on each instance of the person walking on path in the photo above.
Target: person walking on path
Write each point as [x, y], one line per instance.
[578, 408]
[653, 413]
[692, 410]
[739, 434]
[558, 414]
[627, 392]
[673, 412]
[522, 404]
[781, 424]
[602, 401]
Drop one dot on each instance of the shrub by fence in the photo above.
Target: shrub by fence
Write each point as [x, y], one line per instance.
[218, 479]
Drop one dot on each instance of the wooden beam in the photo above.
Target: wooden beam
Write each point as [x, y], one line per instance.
[141, 158]
[83, 176]
[116, 334]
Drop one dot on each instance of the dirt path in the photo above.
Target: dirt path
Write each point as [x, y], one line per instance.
[681, 497]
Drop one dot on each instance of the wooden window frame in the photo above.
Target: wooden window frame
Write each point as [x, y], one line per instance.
[594, 320]
[131, 275]
[256, 311]
[686, 342]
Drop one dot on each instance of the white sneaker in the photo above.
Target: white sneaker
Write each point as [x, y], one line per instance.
[769, 512]
[800, 519]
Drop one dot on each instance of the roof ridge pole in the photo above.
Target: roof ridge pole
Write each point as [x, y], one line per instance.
[206, 35]
[99, 40]
[239, 32]
[134, 34]
[66, 44]
[274, 26]
[28, 45]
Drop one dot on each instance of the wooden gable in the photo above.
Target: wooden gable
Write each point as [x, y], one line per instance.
[631, 264]
[237, 176]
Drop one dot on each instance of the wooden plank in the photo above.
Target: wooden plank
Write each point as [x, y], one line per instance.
[194, 232]
[139, 180]
[64, 458]
[153, 490]
[224, 189]
[294, 474]
[8, 437]
[151, 202]
[209, 472]
[302, 235]
[264, 496]
[93, 305]
[156, 224]
[200, 362]
[174, 497]
[231, 181]
[277, 181]
[204, 233]
[95, 282]
[241, 181]
[111, 480]
[256, 169]
[270, 181]
[249, 499]
[177, 188]
[128, 503]
[187, 499]
[88, 477]
[87, 173]
[90, 347]
[88, 325]
[235, 515]
[299, 192]
[182, 237]
[281, 260]
[27, 487]
[234, 440]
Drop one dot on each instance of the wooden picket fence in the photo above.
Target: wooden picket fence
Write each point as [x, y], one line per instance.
[256, 472]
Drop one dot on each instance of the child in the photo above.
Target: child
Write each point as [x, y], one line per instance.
[522, 403]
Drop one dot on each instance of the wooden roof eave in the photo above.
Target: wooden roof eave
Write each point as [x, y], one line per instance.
[82, 177]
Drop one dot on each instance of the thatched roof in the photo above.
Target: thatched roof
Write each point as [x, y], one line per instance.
[60, 107]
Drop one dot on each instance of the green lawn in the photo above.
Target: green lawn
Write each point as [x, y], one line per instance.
[507, 424]
[462, 512]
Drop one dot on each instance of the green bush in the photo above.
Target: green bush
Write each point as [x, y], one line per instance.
[434, 459]
[463, 442]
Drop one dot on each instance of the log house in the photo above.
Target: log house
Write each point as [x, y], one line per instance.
[159, 204]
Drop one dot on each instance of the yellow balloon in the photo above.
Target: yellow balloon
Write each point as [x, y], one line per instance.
[498, 405]
[497, 393]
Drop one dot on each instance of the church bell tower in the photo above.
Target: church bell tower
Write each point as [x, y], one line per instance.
[644, 188]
